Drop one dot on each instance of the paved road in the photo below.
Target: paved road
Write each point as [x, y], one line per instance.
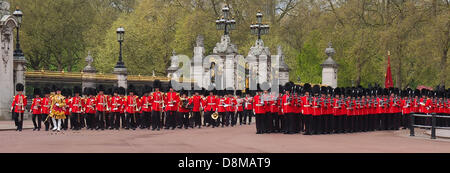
[207, 140]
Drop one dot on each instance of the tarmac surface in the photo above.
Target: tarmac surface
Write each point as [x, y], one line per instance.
[240, 139]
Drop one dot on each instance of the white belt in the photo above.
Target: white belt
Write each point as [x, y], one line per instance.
[211, 104]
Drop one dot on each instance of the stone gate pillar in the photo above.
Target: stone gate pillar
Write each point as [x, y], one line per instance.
[7, 25]
[329, 68]
[88, 76]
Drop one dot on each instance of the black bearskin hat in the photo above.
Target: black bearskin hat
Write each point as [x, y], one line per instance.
[100, 88]
[76, 90]
[19, 87]
[121, 91]
[37, 91]
[46, 90]
[131, 89]
[157, 84]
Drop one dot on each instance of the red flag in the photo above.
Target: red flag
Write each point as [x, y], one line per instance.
[388, 83]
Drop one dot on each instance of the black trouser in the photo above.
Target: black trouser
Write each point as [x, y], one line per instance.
[38, 124]
[326, 123]
[207, 118]
[222, 118]
[147, 118]
[296, 121]
[292, 122]
[337, 123]
[75, 122]
[179, 119]
[90, 120]
[248, 114]
[100, 119]
[197, 119]
[18, 120]
[276, 122]
[115, 120]
[302, 122]
[65, 122]
[268, 122]
[185, 119]
[308, 124]
[259, 123]
[156, 120]
[171, 119]
[350, 123]
[123, 119]
[240, 115]
[131, 120]
[233, 118]
[110, 120]
[83, 120]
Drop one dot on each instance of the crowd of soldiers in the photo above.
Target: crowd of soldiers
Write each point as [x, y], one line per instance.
[294, 109]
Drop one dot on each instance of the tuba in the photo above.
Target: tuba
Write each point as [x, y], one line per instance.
[215, 116]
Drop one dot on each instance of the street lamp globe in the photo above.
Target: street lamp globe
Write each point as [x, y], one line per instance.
[120, 34]
[18, 14]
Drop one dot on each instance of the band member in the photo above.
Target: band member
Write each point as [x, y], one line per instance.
[406, 107]
[45, 108]
[67, 93]
[36, 109]
[146, 103]
[100, 107]
[89, 109]
[157, 105]
[267, 118]
[221, 108]
[76, 106]
[337, 103]
[210, 107]
[298, 119]
[18, 106]
[108, 114]
[115, 104]
[57, 111]
[259, 110]
[122, 108]
[131, 108]
[196, 103]
[231, 108]
[239, 106]
[171, 103]
[306, 109]
[248, 107]
[183, 109]
[287, 109]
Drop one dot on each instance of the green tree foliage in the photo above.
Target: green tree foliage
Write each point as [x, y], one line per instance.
[58, 35]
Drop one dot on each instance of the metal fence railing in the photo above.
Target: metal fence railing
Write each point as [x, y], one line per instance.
[433, 125]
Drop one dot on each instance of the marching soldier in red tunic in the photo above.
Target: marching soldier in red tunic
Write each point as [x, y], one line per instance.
[211, 106]
[239, 106]
[89, 109]
[231, 109]
[67, 93]
[101, 102]
[45, 107]
[171, 103]
[248, 107]
[221, 108]
[76, 106]
[287, 109]
[36, 109]
[115, 104]
[108, 115]
[157, 100]
[183, 110]
[146, 104]
[131, 108]
[196, 103]
[306, 108]
[259, 110]
[18, 106]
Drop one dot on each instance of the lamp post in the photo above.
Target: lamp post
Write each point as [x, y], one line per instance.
[259, 28]
[18, 14]
[225, 23]
[120, 38]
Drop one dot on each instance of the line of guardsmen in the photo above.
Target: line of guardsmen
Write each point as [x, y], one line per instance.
[323, 110]
[115, 108]
[296, 109]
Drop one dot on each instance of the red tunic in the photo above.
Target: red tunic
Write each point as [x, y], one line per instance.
[115, 104]
[258, 105]
[36, 106]
[19, 103]
[248, 103]
[307, 110]
[157, 101]
[101, 102]
[146, 102]
[171, 101]
[287, 104]
[196, 102]
[131, 104]
[273, 104]
[316, 110]
[45, 105]
[239, 104]
[181, 108]
[90, 105]
[211, 103]
[76, 105]
[221, 104]
[67, 108]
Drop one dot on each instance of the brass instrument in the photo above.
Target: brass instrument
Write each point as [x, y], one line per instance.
[215, 116]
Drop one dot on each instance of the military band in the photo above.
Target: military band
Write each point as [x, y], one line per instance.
[305, 109]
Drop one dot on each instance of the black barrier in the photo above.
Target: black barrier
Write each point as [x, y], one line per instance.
[433, 123]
